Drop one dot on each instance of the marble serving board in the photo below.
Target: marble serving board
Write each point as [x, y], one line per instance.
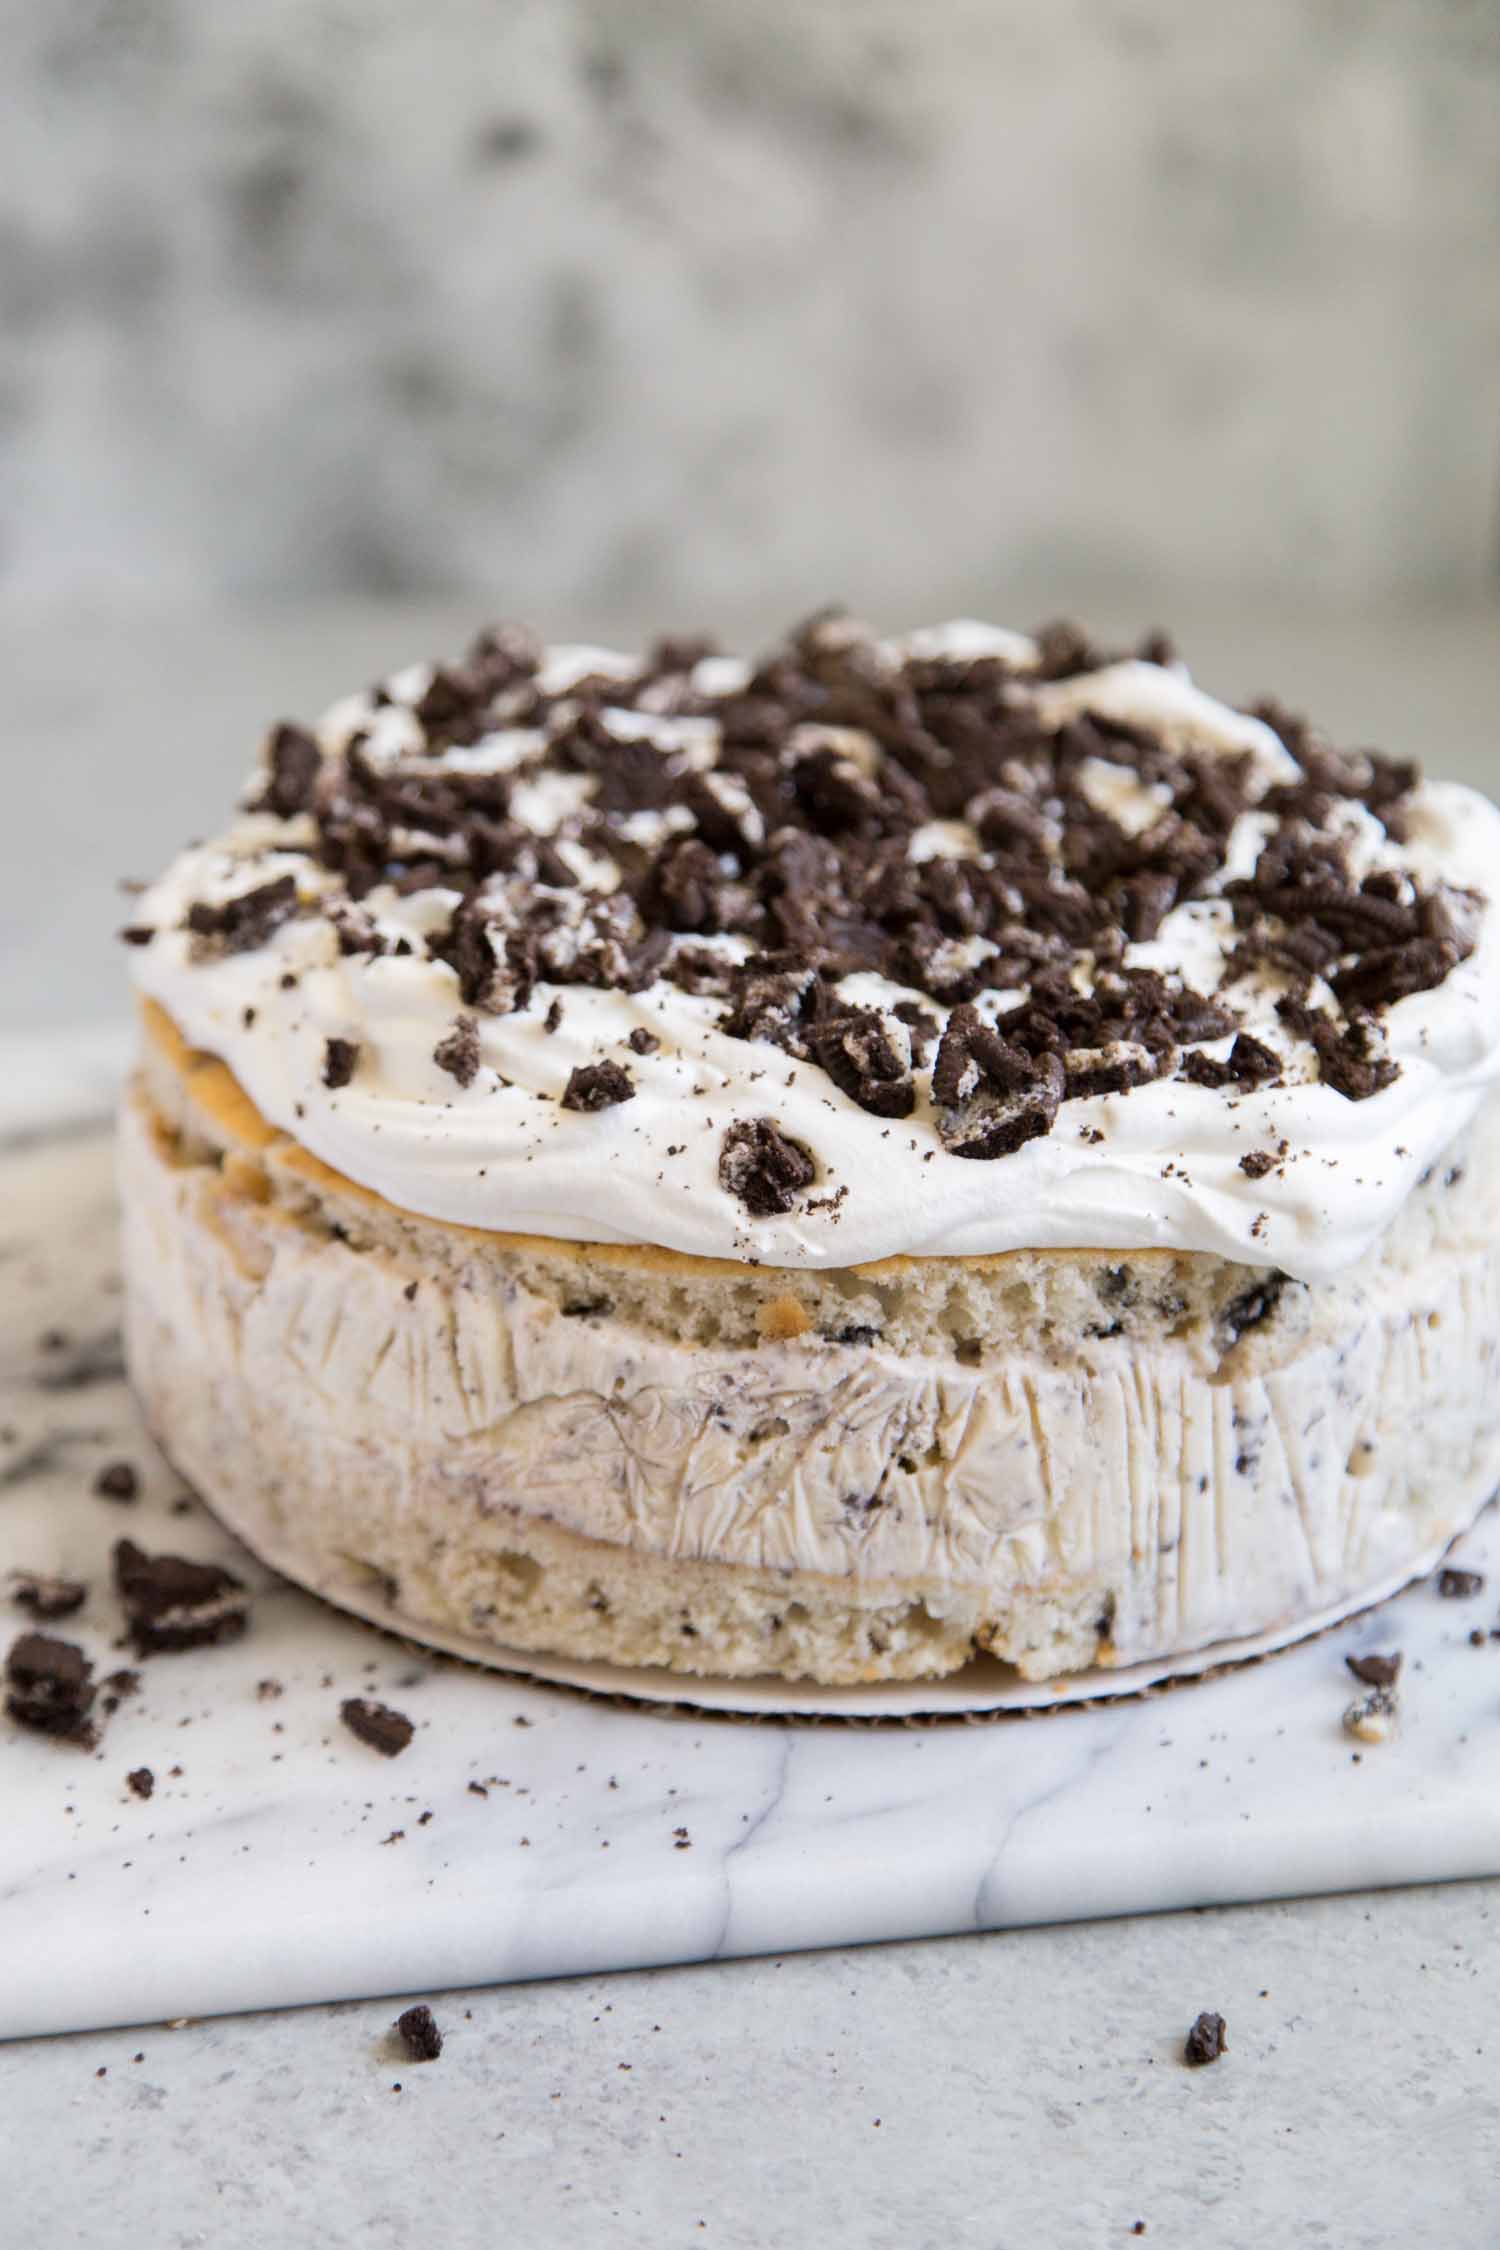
[530, 1830]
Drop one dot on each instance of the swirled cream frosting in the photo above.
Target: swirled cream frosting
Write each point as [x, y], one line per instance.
[960, 943]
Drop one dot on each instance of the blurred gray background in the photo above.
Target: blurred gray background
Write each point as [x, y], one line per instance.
[658, 306]
[328, 327]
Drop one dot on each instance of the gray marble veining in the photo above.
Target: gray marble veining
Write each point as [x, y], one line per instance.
[531, 1832]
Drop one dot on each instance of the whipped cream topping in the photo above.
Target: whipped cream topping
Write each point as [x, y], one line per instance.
[1153, 1165]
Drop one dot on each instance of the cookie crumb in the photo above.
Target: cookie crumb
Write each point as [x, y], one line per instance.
[419, 2033]
[44, 1597]
[377, 1724]
[173, 1603]
[340, 1061]
[1376, 1671]
[49, 1687]
[1207, 2040]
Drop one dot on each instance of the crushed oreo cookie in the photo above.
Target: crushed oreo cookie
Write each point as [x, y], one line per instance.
[141, 1781]
[419, 2034]
[340, 1061]
[49, 1688]
[1375, 1670]
[1207, 2040]
[1249, 1063]
[47, 1598]
[458, 1052]
[243, 923]
[600, 1085]
[293, 762]
[764, 1168]
[173, 1603]
[118, 1480]
[1459, 1585]
[377, 1724]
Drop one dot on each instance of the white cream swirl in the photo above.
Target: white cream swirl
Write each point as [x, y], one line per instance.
[1157, 1167]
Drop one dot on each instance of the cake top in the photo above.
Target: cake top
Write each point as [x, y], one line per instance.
[965, 942]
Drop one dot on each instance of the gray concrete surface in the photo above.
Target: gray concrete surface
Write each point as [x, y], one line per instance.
[1018, 2092]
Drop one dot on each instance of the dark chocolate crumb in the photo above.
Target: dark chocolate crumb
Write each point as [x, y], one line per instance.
[419, 2033]
[1256, 1163]
[295, 762]
[49, 1687]
[599, 1085]
[1206, 2041]
[340, 1061]
[174, 1603]
[1459, 1585]
[763, 1167]
[117, 1480]
[458, 1053]
[642, 1041]
[244, 923]
[377, 1724]
[44, 1597]
[141, 1782]
[552, 1021]
[1376, 1671]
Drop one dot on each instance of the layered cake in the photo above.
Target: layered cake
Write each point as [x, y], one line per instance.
[827, 1166]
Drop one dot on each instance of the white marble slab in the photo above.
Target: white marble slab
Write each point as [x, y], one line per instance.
[285, 1862]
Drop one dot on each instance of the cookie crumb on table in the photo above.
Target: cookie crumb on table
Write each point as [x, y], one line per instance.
[419, 2033]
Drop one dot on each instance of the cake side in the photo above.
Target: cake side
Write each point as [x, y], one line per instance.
[1214, 1451]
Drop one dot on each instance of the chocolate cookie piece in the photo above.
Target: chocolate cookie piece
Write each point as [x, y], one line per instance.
[868, 1057]
[294, 761]
[600, 1085]
[764, 1168]
[992, 1094]
[340, 1061]
[1207, 2040]
[1113, 1068]
[244, 923]
[377, 1724]
[174, 1603]
[419, 2033]
[990, 1124]
[458, 1052]
[1376, 1671]
[1249, 1063]
[49, 1687]
[45, 1597]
